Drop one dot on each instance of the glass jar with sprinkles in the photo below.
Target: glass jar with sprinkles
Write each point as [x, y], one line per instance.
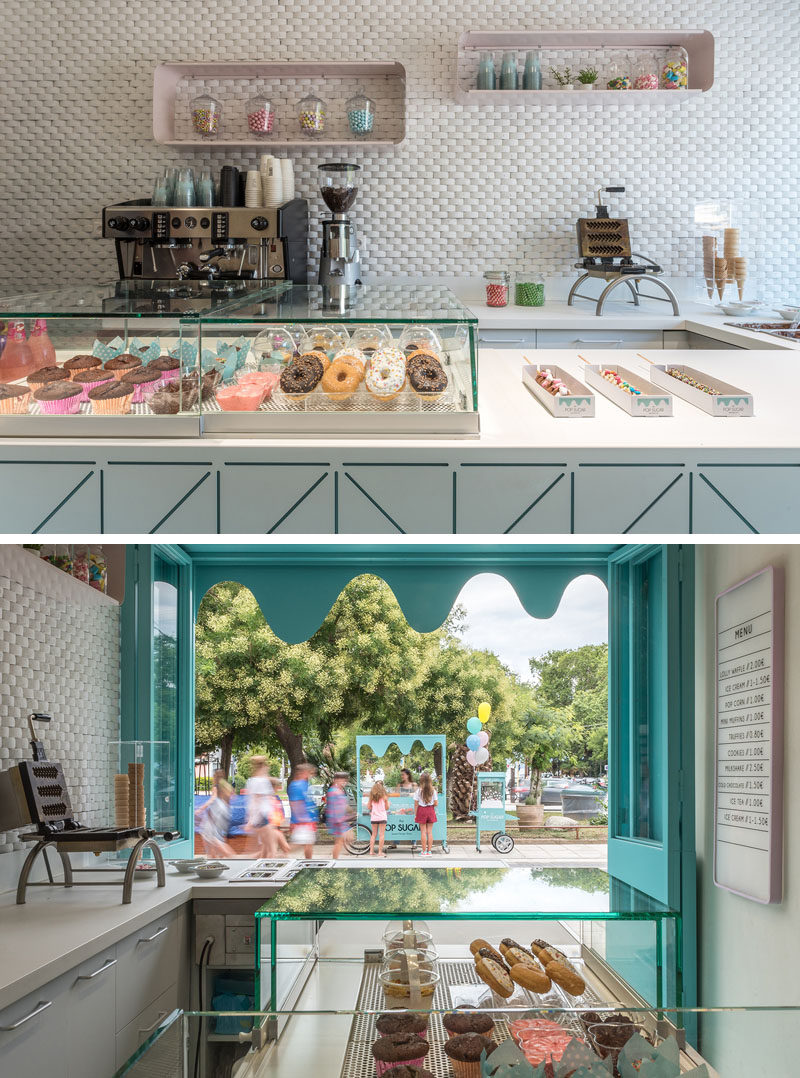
[529, 289]
[497, 285]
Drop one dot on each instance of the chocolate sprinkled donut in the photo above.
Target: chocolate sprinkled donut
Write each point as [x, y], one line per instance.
[426, 375]
[302, 376]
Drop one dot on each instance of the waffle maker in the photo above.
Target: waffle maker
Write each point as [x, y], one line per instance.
[35, 792]
[604, 249]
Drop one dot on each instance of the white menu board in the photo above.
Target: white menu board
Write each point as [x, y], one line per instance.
[748, 799]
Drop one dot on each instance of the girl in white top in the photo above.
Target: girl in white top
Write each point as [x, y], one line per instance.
[378, 802]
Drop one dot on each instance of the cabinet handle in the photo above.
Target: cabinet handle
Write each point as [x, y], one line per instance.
[503, 340]
[109, 962]
[149, 1029]
[594, 340]
[149, 939]
[42, 1005]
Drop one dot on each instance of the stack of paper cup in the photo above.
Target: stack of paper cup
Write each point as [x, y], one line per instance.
[121, 800]
[272, 184]
[253, 189]
[287, 175]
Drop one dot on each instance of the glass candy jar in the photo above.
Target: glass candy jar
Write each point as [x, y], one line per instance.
[619, 74]
[645, 73]
[497, 282]
[206, 116]
[529, 289]
[675, 71]
[260, 116]
[311, 114]
[360, 114]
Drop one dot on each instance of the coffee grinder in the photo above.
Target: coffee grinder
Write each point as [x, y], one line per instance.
[340, 261]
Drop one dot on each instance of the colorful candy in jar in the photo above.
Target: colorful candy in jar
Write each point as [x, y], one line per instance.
[620, 82]
[646, 81]
[206, 116]
[312, 115]
[497, 283]
[674, 75]
[529, 294]
[260, 116]
[360, 114]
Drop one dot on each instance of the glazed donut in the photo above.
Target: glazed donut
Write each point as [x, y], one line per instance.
[301, 377]
[426, 375]
[354, 357]
[535, 980]
[496, 975]
[320, 354]
[566, 977]
[340, 381]
[387, 373]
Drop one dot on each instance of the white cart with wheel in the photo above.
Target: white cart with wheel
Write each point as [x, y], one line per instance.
[490, 813]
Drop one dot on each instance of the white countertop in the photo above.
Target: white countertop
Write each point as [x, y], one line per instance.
[58, 927]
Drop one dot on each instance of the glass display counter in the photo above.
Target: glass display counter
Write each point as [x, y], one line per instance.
[611, 934]
[401, 360]
[183, 358]
[728, 1042]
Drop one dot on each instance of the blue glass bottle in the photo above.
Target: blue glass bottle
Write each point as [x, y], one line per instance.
[486, 76]
[532, 75]
[508, 72]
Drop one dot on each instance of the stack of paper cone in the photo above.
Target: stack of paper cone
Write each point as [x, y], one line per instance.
[709, 253]
[720, 274]
[731, 251]
[121, 788]
[740, 273]
[136, 805]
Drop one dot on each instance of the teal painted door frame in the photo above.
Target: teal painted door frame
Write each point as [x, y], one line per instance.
[137, 683]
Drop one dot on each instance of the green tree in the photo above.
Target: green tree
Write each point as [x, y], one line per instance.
[576, 681]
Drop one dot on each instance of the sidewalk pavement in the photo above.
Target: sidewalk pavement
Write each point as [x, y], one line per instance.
[553, 855]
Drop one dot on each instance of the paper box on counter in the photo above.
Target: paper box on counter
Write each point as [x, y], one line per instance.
[729, 401]
[578, 405]
[650, 401]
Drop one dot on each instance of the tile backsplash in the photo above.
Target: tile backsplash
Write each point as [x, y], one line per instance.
[471, 187]
[59, 654]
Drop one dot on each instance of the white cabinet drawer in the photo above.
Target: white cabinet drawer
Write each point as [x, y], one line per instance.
[147, 963]
[507, 338]
[599, 338]
[139, 1029]
[32, 1033]
[90, 1000]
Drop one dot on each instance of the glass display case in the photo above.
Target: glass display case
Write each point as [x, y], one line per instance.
[610, 934]
[183, 358]
[401, 359]
[108, 359]
[337, 1042]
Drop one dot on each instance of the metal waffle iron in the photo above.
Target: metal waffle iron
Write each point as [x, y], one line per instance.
[604, 248]
[35, 792]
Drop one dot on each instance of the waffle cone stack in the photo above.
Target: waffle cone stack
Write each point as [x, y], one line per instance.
[740, 274]
[709, 254]
[121, 798]
[721, 274]
[731, 248]
[136, 805]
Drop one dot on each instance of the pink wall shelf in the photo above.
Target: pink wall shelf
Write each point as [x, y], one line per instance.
[699, 46]
[176, 83]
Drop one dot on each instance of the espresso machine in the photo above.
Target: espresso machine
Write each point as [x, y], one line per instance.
[214, 243]
[340, 260]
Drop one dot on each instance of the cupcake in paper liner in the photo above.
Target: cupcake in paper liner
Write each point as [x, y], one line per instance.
[120, 364]
[169, 366]
[106, 350]
[14, 399]
[59, 398]
[82, 363]
[88, 379]
[464, 1052]
[111, 398]
[397, 1049]
[145, 381]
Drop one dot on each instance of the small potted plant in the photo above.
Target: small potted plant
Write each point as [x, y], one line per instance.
[587, 77]
[563, 78]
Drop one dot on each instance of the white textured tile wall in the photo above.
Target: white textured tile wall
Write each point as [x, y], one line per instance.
[469, 187]
[59, 653]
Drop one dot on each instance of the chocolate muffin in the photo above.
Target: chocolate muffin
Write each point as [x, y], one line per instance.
[47, 374]
[401, 1022]
[9, 390]
[400, 1048]
[110, 390]
[81, 378]
[468, 1021]
[82, 363]
[141, 376]
[57, 391]
[165, 363]
[467, 1047]
[14, 399]
[123, 362]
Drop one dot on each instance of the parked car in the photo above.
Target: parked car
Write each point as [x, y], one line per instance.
[551, 792]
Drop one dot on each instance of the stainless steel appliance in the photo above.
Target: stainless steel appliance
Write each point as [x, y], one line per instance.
[340, 261]
[604, 249]
[209, 242]
[35, 792]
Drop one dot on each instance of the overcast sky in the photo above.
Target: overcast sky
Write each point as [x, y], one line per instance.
[497, 621]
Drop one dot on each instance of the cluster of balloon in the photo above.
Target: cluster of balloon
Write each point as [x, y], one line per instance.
[478, 738]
